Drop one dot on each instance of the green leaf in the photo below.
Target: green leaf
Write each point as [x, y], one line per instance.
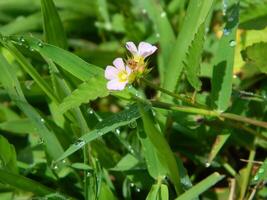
[164, 152]
[53, 27]
[218, 144]
[11, 84]
[255, 55]
[153, 193]
[81, 166]
[222, 76]
[163, 30]
[193, 59]
[67, 60]
[154, 166]
[8, 158]
[90, 90]
[261, 174]
[111, 123]
[164, 192]
[24, 183]
[196, 15]
[126, 163]
[201, 187]
[20, 126]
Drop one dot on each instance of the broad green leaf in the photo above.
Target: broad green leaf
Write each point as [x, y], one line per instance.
[8, 158]
[20, 126]
[81, 166]
[164, 152]
[11, 84]
[222, 76]
[197, 13]
[111, 123]
[255, 55]
[201, 187]
[164, 192]
[24, 183]
[194, 57]
[218, 144]
[128, 162]
[53, 27]
[154, 166]
[93, 88]
[106, 193]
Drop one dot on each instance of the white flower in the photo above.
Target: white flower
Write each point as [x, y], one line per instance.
[144, 50]
[118, 76]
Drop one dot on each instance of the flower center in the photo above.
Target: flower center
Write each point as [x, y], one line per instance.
[122, 76]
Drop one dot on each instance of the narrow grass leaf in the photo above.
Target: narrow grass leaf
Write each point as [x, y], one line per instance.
[154, 166]
[218, 144]
[111, 123]
[128, 162]
[201, 187]
[18, 126]
[8, 157]
[194, 57]
[53, 27]
[197, 13]
[93, 88]
[11, 84]
[163, 149]
[222, 76]
[24, 183]
[261, 174]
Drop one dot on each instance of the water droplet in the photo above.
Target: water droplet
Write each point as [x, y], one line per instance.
[117, 131]
[4, 38]
[28, 84]
[157, 35]
[224, 9]
[40, 44]
[232, 43]
[256, 178]
[80, 143]
[230, 19]
[21, 39]
[31, 49]
[137, 189]
[163, 14]
[226, 31]
[42, 120]
[207, 164]
[55, 167]
[261, 170]
[88, 174]
[90, 111]
[64, 161]
[133, 124]
[144, 11]
[132, 184]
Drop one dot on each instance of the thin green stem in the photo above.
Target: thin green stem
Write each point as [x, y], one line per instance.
[206, 112]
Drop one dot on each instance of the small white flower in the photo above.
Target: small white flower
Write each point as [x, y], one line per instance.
[144, 50]
[118, 76]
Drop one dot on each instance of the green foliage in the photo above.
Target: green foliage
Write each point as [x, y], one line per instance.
[200, 110]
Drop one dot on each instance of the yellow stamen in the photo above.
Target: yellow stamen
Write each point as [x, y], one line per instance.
[122, 75]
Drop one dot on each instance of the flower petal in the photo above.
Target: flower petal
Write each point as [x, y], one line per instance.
[111, 72]
[128, 70]
[119, 64]
[131, 47]
[145, 49]
[115, 84]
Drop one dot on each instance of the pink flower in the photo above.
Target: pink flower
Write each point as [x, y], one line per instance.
[118, 76]
[144, 50]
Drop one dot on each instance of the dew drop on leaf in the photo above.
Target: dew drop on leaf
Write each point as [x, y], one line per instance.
[117, 131]
[40, 44]
[79, 143]
[232, 43]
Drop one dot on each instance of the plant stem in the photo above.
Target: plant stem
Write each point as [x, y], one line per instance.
[206, 112]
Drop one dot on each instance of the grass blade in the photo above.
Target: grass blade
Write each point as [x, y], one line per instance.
[53, 27]
[196, 16]
[223, 70]
[201, 187]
